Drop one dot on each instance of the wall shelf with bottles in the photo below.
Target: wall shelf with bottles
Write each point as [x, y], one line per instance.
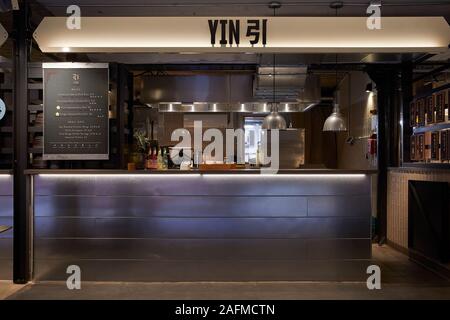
[430, 123]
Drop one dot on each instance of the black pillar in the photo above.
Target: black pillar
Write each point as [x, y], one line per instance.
[387, 80]
[121, 99]
[22, 222]
[407, 96]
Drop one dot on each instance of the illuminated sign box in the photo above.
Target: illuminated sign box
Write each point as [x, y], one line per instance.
[275, 34]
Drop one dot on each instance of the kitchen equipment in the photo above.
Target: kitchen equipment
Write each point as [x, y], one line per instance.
[185, 165]
[197, 158]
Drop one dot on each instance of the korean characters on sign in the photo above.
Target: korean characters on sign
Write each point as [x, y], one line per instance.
[228, 32]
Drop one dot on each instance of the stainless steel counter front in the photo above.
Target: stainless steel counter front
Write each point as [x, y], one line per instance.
[125, 226]
[6, 219]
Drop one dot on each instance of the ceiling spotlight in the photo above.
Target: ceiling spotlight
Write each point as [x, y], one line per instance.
[369, 87]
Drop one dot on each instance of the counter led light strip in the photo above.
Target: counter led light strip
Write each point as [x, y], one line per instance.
[5, 176]
[118, 175]
[206, 175]
[281, 175]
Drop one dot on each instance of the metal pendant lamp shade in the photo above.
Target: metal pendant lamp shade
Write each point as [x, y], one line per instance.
[274, 120]
[336, 121]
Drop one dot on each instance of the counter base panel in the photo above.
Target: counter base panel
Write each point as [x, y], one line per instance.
[181, 271]
[192, 228]
[6, 219]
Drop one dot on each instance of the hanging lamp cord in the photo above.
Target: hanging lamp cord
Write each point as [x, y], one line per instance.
[336, 61]
[274, 108]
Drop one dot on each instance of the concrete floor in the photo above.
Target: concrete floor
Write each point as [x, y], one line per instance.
[401, 279]
[7, 288]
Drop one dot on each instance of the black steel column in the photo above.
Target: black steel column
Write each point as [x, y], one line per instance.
[22, 225]
[121, 99]
[386, 79]
[407, 96]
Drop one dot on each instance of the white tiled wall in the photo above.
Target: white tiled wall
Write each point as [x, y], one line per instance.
[397, 200]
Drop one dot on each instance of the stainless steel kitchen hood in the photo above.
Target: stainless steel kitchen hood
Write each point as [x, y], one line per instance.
[250, 107]
[232, 92]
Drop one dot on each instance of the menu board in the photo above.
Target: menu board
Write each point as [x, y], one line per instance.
[76, 125]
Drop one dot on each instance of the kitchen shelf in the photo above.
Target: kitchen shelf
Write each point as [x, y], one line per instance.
[35, 150]
[35, 107]
[432, 127]
[34, 129]
[35, 86]
[35, 70]
[6, 129]
[6, 64]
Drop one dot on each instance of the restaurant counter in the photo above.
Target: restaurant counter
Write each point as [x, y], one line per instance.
[233, 225]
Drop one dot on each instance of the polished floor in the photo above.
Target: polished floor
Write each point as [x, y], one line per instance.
[401, 279]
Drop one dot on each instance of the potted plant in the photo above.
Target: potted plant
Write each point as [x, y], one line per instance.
[142, 148]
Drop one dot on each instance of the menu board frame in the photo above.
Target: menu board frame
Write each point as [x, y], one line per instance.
[78, 156]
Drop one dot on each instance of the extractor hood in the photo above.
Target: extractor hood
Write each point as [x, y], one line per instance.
[293, 83]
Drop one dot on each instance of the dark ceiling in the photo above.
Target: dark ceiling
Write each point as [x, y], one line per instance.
[41, 8]
[246, 7]
[242, 8]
